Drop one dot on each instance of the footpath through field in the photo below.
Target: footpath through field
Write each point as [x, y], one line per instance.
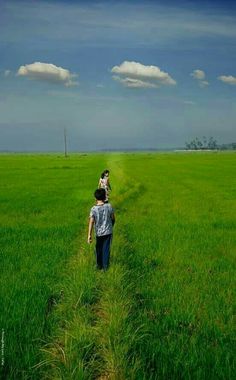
[163, 310]
[99, 337]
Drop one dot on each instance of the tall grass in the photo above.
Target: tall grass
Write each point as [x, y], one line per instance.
[44, 207]
[163, 310]
[182, 245]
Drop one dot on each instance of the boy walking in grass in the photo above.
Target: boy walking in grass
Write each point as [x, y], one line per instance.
[102, 217]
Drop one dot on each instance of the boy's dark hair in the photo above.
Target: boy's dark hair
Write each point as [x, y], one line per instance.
[100, 194]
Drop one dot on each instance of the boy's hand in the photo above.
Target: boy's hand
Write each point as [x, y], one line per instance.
[89, 239]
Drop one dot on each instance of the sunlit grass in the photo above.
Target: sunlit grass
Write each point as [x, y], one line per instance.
[163, 310]
[44, 204]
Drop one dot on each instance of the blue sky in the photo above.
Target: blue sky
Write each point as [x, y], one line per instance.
[116, 74]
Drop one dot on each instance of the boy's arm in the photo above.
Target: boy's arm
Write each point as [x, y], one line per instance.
[90, 228]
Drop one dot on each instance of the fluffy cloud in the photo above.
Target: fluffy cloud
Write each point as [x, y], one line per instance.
[49, 73]
[203, 83]
[229, 79]
[136, 75]
[200, 75]
[134, 83]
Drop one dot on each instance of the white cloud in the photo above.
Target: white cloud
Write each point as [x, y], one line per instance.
[7, 73]
[198, 74]
[203, 83]
[49, 73]
[134, 83]
[229, 79]
[136, 75]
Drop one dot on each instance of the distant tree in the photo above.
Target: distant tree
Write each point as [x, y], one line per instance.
[229, 146]
[204, 139]
[199, 144]
[212, 143]
[194, 143]
[188, 145]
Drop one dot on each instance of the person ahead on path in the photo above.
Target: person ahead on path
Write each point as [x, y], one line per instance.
[102, 217]
[104, 183]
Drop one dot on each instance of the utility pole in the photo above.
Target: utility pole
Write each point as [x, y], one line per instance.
[65, 142]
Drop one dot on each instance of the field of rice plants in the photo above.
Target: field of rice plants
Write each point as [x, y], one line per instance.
[165, 307]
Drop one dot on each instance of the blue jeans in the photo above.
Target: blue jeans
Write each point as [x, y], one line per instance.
[103, 244]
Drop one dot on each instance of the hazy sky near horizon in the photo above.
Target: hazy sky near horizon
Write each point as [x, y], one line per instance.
[116, 74]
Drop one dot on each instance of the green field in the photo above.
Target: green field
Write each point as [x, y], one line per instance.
[163, 310]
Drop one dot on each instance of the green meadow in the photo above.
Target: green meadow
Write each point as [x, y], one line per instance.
[165, 307]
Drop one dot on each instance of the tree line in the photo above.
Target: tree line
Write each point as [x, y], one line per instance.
[208, 144]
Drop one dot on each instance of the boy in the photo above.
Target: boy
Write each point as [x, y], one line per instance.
[103, 218]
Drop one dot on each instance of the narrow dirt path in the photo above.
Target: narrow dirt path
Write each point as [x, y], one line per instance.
[115, 328]
[96, 327]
